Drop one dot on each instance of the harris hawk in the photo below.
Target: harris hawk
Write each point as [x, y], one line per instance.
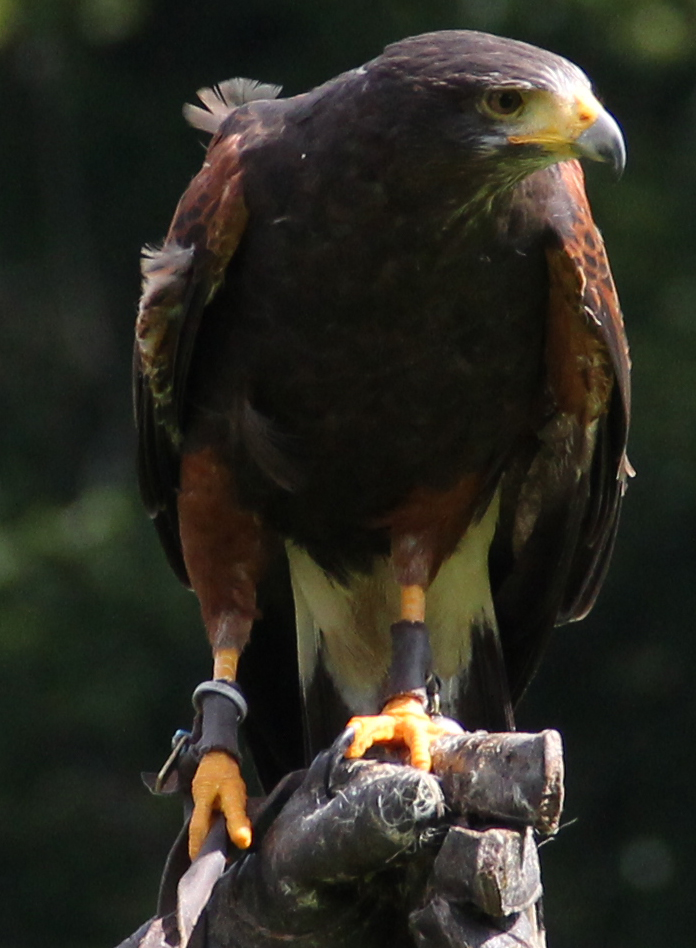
[381, 347]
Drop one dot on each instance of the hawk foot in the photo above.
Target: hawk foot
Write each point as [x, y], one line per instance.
[405, 721]
[218, 786]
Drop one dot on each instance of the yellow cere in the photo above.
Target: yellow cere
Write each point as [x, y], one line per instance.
[554, 122]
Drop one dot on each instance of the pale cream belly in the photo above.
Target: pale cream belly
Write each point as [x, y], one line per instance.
[349, 625]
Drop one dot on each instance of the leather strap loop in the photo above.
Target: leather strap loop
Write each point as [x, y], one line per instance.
[411, 659]
[220, 707]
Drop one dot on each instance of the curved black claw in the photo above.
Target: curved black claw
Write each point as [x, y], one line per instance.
[335, 756]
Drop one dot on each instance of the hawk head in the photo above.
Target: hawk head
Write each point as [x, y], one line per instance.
[496, 102]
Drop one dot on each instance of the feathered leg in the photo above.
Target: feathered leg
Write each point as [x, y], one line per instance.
[225, 551]
[405, 717]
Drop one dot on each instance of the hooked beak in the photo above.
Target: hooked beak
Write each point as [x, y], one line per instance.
[571, 127]
[603, 141]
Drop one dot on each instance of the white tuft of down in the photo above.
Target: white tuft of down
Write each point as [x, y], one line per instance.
[221, 100]
[347, 626]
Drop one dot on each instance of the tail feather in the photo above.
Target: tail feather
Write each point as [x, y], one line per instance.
[324, 713]
[482, 699]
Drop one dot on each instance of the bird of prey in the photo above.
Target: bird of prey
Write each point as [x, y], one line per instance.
[380, 358]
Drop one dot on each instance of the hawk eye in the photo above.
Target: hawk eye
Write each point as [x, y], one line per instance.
[503, 102]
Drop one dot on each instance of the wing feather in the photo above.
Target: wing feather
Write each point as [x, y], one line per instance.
[561, 501]
[596, 301]
[179, 280]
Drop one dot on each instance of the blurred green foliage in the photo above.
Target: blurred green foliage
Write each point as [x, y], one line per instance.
[100, 648]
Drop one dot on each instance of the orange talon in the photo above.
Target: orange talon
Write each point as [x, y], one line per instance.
[403, 719]
[218, 786]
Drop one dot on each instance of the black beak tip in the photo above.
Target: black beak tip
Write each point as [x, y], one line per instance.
[615, 155]
[603, 141]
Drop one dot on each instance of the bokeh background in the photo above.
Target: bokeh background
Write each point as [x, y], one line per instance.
[100, 648]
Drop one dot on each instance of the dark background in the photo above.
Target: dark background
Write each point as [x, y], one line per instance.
[99, 646]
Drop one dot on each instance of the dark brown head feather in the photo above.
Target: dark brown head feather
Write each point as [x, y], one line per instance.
[453, 57]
